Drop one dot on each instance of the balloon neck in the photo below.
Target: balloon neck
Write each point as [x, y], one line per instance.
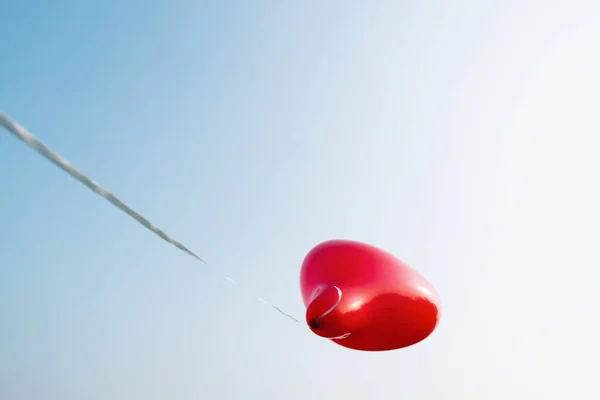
[314, 324]
[320, 313]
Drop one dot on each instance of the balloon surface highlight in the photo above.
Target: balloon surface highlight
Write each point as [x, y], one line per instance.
[364, 298]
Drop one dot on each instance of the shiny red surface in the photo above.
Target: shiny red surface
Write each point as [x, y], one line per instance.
[382, 303]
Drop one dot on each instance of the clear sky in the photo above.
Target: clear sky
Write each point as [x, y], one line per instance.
[462, 136]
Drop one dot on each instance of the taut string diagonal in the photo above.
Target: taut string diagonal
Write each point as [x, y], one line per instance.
[21, 133]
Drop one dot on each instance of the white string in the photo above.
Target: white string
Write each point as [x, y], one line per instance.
[22, 134]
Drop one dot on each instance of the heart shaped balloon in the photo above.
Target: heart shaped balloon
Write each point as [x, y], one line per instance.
[364, 298]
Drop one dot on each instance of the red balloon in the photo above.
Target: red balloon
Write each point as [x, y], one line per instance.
[364, 298]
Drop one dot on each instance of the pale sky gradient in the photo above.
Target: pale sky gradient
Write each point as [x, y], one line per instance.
[462, 136]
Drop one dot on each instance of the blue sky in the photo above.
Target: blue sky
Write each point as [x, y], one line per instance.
[460, 136]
